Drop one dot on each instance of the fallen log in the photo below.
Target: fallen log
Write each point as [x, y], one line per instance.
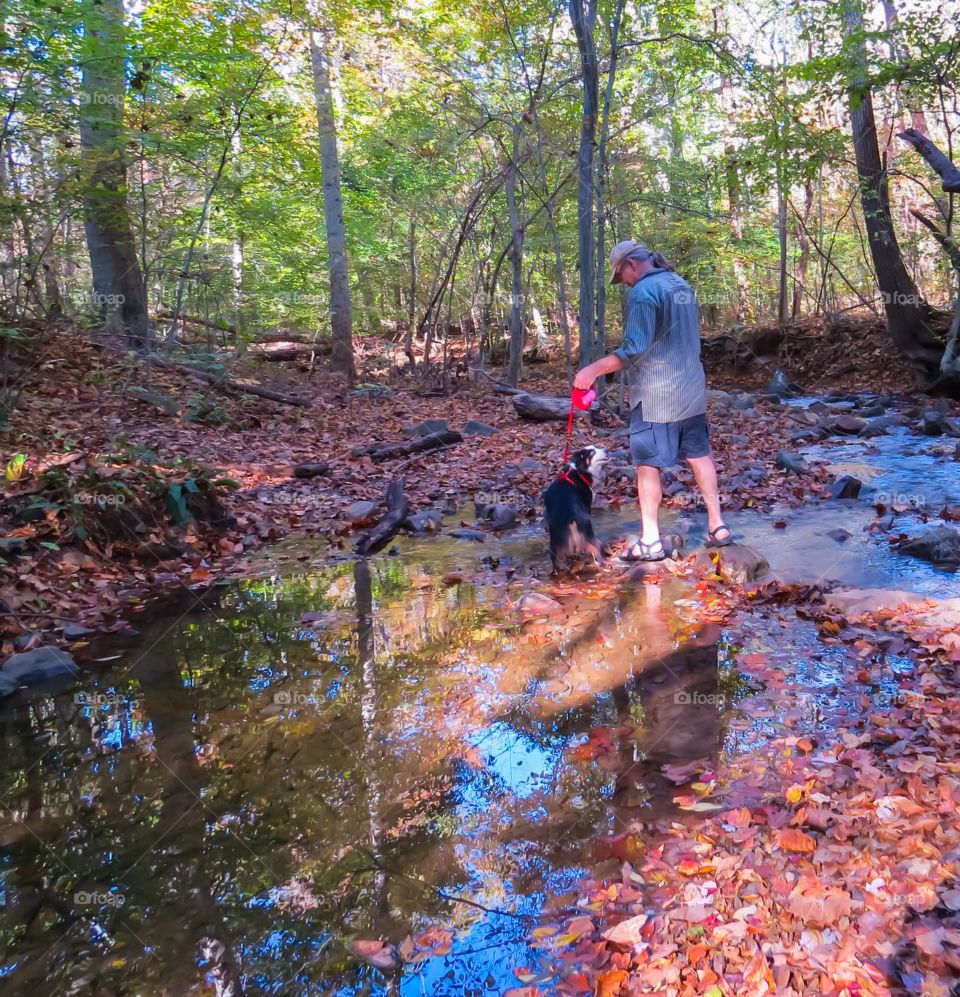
[390, 451]
[196, 320]
[398, 508]
[229, 386]
[541, 408]
[501, 387]
[283, 352]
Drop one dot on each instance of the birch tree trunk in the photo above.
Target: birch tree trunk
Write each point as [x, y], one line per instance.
[118, 286]
[341, 320]
[583, 16]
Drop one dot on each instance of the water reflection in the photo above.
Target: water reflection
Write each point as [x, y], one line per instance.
[361, 752]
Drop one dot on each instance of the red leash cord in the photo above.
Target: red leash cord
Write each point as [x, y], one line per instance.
[566, 444]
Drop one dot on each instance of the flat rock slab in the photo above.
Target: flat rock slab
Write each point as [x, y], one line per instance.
[361, 512]
[738, 564]
[426, 428]
[792, 462]
[43, 664]
[475, 428]
[866, 602]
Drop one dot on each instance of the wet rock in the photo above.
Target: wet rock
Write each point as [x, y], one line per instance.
[812, 434]
[939, 546]
[674, 488]
[8, 685]
[792, 462]
[846, 487]
[361, 512]
[499, 514]
[536, 604]
[475, 428]
[428, 521]
[464, 533]
[844, 406]
[821, 408]
[839, 534]
[956, 453]
[780, 384]
[45, 664]
[846, 425]
[932, 423]
[426, 428]
[952, 427]
[771, 399]
[869, 411]
[880, 425]
[73, 631]
[737, 564]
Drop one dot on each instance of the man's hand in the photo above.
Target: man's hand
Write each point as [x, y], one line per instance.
[584, 378]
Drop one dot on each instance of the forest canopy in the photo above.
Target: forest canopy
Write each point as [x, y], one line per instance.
[163, 160]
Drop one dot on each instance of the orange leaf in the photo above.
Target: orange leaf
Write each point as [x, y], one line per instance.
[796, 841]
[609, 984]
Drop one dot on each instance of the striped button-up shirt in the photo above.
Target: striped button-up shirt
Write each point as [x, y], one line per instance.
[661, 348]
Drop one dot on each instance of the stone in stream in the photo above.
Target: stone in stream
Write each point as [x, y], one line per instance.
[428, 521]
[846, 425]
[536, 604]
[939, 546]
[819, 407]
[73, 631]
[464, 533]
[499, 514]
[812, 434]
[44, 664]
[869, 411]
[839, 534]
[792, 462]
[475, 428]
[361, 512]
[846, 487]
[426, 428]
[932, 423]
[736, 563]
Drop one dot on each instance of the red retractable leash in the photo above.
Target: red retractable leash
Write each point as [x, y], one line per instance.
[581, 400]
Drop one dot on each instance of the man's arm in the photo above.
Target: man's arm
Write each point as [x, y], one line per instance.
[637, 339]
[605, 365]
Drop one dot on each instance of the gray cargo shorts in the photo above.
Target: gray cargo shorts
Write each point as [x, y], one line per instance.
[665, 444]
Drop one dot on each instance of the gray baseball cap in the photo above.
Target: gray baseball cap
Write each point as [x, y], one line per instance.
[623, 251]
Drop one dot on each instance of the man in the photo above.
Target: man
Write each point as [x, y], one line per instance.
[668, 394]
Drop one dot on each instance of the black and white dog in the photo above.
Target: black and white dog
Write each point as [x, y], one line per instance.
[569, 502]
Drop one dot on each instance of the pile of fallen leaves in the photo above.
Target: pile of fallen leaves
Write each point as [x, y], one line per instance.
[838, 875]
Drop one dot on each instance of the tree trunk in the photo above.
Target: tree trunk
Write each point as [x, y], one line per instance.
[341, 320]
[412, 303]
[583, 15]
[118, 287]
[516, 257]
[907, 313]
[803, 241]
[602, 171]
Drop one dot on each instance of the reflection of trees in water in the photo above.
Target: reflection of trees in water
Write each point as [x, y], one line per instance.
[203, 825]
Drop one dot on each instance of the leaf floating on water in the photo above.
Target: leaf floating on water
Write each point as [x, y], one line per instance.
[376, 952]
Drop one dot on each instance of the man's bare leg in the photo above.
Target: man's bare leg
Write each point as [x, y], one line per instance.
[705, 473]
[649, 495]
